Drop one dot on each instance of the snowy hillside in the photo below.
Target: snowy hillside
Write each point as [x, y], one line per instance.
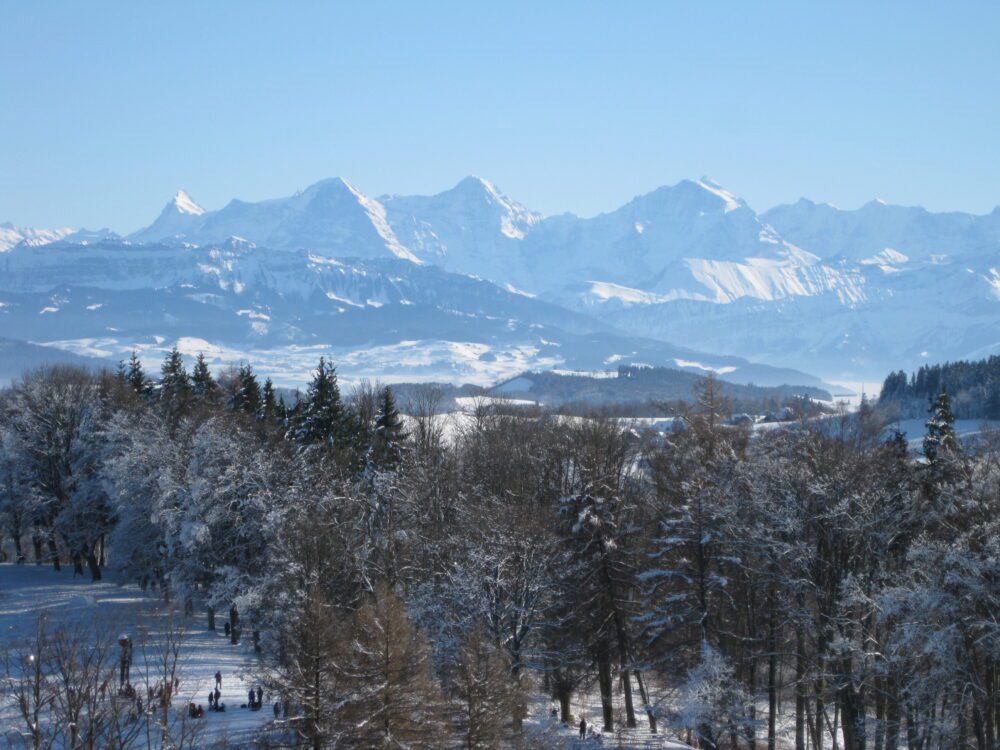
[387, 317]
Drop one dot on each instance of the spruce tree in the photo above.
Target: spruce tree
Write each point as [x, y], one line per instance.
[135, 376]
[246, 396]
[389, 434]
[939, 440]
[202, 383]
[321, 417]
[175, 385]
[269, 404]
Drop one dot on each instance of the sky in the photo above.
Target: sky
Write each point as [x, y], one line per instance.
[106, 108]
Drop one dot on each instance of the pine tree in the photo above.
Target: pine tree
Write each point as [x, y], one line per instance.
[321, 418]
[269, 404]
[939, 440]
[136, 376]
[202, 383]
[175, 385]
[246, 396]
[389, 433]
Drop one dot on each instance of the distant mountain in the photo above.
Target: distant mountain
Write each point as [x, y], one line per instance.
[282, 310]
[848, 294]
[635, 385]
[11, 235]
[331, 216]
[865, 232]
[19, 357]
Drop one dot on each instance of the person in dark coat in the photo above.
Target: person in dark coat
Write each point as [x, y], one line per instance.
[583, 728]
[211, 700]
[218, 694]
[218, 680]
[277, 709]
[250, 702]
[260, 697]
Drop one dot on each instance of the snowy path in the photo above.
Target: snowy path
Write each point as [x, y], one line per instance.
[587, 704]
[27, 591]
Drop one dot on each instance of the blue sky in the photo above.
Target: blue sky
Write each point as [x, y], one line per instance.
[108, 108]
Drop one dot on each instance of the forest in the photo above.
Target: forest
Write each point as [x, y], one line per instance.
[401, 579]
[974, 388]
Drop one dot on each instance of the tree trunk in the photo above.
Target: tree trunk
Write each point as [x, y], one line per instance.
[211, 618]
[54, 551]
[800, 689]
[629, 708]
[564, 694]
[891, 716]
[772, 688]
[95, 569]
[645, 702]
[604, 678]
[234, 623]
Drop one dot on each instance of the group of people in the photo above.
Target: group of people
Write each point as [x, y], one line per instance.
[255, 699]
[214, 704]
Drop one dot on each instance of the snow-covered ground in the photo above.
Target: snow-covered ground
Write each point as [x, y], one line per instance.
[586, 704]
[27, 591]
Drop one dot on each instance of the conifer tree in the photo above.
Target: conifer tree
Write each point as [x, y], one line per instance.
[175, 385]
[246, 396]
[387, 691]
[389, 433]
[486, 696]
[939, 440]
[136, 376]
[203, 384]
[269, 404]
[321, 418]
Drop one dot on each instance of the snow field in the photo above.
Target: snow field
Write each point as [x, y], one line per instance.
[28, 591]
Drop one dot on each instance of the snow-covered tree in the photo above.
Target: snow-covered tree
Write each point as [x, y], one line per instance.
[389, 433]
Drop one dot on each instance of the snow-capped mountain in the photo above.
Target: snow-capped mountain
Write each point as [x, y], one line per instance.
[867, 231]
[472, 228]
[331, 216]
[11, 235]
[847, 294]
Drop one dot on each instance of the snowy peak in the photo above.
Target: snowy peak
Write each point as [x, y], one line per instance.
[730, 201]
[184, 204]
[11, 235]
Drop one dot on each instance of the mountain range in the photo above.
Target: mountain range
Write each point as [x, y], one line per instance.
[470, 284]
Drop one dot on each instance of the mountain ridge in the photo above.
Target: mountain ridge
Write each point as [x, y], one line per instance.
[846, 293]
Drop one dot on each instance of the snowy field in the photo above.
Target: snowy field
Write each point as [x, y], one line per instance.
[28, 591]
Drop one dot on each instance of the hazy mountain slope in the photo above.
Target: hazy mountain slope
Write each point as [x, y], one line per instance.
[864, 232]
[19, 357]
[282, 309]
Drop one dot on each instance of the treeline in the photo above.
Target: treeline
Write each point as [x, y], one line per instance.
[974, 388]
[405, 580]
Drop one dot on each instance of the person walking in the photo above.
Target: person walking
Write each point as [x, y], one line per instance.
[583, 728]
[218, 680]
[260, 697]
[125, 660]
